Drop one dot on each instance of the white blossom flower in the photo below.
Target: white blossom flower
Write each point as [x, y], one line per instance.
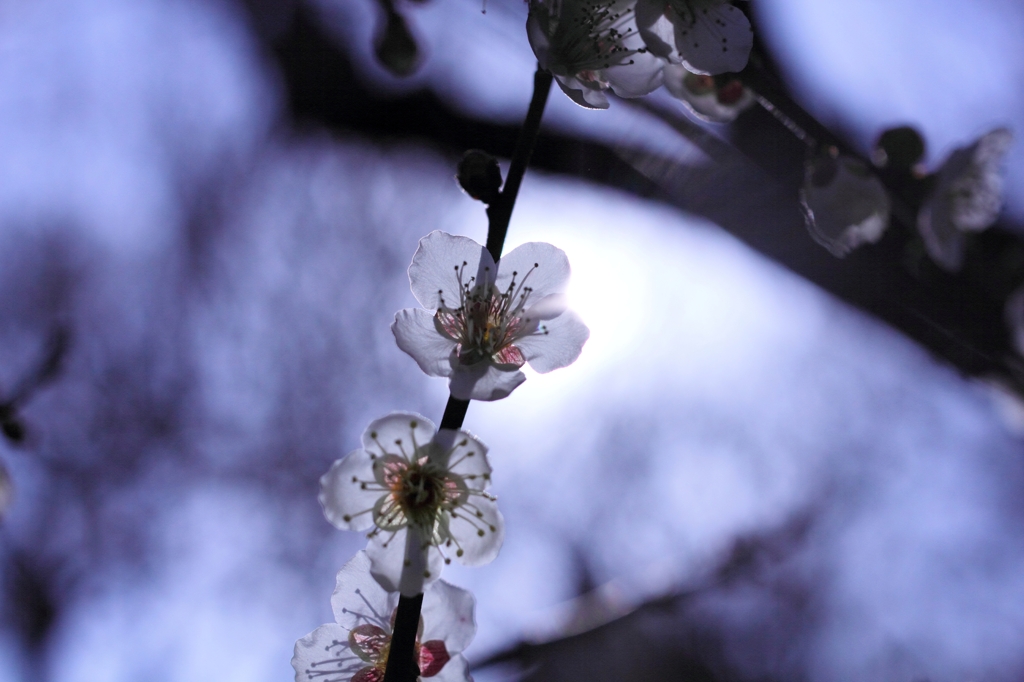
[706, 36]
[844, 204]
[484, 321]
[591, 46]
[967, 197]
[422, 493]
[706, 98]
[355, 648]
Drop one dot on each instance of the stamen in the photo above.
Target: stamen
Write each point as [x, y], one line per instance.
[349, 517]
[684, 9]
[452, 465]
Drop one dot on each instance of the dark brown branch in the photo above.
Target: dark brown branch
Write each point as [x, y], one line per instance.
[500, 212]
[401, 666]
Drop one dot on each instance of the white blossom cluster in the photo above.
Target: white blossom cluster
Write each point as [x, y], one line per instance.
[632, 47]
[356, 646]
[846, 204]
[695, 48]
[422, 493]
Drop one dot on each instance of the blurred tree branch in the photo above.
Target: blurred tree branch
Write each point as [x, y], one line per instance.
[750, 190]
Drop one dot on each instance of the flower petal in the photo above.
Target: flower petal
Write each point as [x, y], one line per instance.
[844, 204]
[508, 358]
[399, 433]
[344, 498]
[588, 98]
[368, 674]
[325, 651]
[456, 670]
[711, 36]
[483, 381]
[942, 240]
[433, 272]
[655, 29]
[448, 616]
[638, 76]
[466, 456]
[547, 308]
[559, 347]
[591, 47]
[358, 599]
[538, 265]
[967, 198]
[367, 641]
[478, 529]
[970, 183]
[388, 555]
[433, 657]
[416, 334]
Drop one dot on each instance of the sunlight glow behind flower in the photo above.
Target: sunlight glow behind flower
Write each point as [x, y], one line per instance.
[489, 319]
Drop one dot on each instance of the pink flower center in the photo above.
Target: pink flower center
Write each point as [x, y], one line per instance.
[487, 322]
[421, 488]
[373, 644]
[730, 93]
[432, 657]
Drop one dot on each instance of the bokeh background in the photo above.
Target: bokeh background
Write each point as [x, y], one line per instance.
[210, 207]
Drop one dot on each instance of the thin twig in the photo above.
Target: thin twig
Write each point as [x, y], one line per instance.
[402, 665]
[500, 212]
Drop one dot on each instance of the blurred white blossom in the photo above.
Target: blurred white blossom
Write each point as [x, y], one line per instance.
[422, 493]
[705, 36]
[967, 197]
[845, 204]
[591, 46]
[706, 98]
[489, 319]
[356, 646]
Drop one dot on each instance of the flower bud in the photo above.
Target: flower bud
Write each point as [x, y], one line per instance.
[13, 429]
[899, 149]
[479, 175]
[395, 47]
